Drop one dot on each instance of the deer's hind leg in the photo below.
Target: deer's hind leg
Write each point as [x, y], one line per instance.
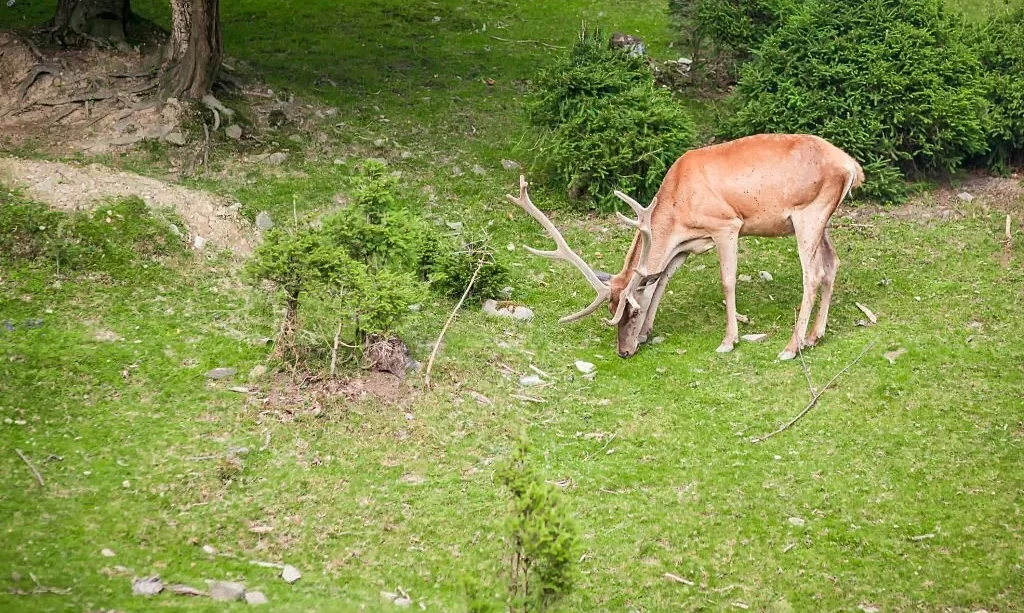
[829, 262]
[809, 227]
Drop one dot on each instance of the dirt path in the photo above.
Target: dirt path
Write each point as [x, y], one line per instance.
[71, 187]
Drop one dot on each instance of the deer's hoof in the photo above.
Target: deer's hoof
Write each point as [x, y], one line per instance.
[787, 355]
[724, 348]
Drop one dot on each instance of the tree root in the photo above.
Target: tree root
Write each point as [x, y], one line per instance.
[212, 103]
[35, 73]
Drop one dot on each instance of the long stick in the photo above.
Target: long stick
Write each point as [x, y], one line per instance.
[35, 472]
[814, 400]
[433, 353]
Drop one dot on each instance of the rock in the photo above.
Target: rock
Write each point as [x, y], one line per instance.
[257, 371]
[147, 586]
[226, 590]
[454, 225]
[175, 138]
[107, 553]
[234, 131]
[506, 292]
[239, 389]
[631, 44]
[221, 373]
[799, 522]
[290, 574]
[893, 355]
[754, 338]
[530, 380]
[276, 159]
[175, 230]
[256, 598]
[457, 172]
[657, 340]
[585, 367]
[263, 221]
[338, 161]
[478, 170]
[510, 164]
[767, 276]
[209, 550]
[380, 142]
[745, 278]
[506, 309]
[198, 242]
[965, 196]
[185, 590]
[403, 601]
[684, 60]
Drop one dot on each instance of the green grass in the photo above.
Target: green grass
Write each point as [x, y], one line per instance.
[931, 444]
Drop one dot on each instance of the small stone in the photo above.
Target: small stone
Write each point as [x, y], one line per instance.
[263, 221]
[380, 142]
[454, 225]
[234, 131]
[147, 586]
[185, 590]
[754, 338]
[198, 242]
[257, 371]
[436, 19]
[797, 521]
[290, 574]
[478, 170]
[126, 484]
[657, 340]
[221, 373]
[239, 389]
[585, 367]
[175, 138]
[175, 230]
[965, 196]
[226, 590]
[892, 356]
[107, 553]
[745, 278]
[505, 309]
[338, 161]
[530, 380]
[256, 598]
[511, 246]
[276, 159]
[767, 276]
[403, 601]
[870, 608]
[510, 164]
[457, 172]
[295, 138]
[209, 550]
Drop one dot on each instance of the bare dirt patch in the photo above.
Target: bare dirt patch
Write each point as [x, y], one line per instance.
[69, 187]
[313, 393]
[986, 193]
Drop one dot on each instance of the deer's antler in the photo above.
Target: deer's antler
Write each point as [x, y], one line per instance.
[642, 224]
[563, 252]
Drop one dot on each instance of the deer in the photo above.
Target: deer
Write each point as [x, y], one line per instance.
[769, 185]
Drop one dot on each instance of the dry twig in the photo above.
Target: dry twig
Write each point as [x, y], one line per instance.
[527, 42]
[437, 344]
[35, 472]
[814, 400]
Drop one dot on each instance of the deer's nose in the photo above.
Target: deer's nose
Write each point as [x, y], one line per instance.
[625, 354]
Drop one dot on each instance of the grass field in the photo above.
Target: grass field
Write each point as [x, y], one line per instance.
[902, 490]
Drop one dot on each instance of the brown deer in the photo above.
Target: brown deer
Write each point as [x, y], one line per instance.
[762, 185]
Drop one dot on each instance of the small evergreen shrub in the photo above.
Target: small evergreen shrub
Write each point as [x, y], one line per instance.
[1000, 46]
[892, 82]
[604, 123]
[542, 538]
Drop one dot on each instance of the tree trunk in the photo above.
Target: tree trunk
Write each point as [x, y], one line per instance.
[94, 19]
[193, 53]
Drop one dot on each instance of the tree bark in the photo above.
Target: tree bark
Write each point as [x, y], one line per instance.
[193, 53]
[95, 19]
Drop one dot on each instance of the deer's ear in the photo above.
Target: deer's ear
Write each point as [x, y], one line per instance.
[602, 275]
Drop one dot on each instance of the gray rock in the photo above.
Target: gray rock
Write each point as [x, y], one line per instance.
[234, 131]
[257, 371]
[457, 172]
[631, 44]
[478, 170]
[276, 159]
[965, 196]
[256, 598]
[745, 278]
[221, 373]
[380, 142]
[147, 586]
[585, 367]
[263, 221]
[512, 311]
[530, 380]
[210, 550]
[198, 242]
[767, 276]
[175, 138]
[175, 230]
[657, 340]
[754, 338]
[799, 522]
[510, 164]
[290, 574]
[226, 591]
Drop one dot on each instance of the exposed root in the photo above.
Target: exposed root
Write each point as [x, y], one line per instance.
[212, 103]
[34, 74]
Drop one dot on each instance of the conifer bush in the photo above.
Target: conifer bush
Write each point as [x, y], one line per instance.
[1000, 46]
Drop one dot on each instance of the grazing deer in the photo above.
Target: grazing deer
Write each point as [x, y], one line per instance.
[762, 185]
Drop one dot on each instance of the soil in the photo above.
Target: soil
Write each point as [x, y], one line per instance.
[288, 395]
[71, 187]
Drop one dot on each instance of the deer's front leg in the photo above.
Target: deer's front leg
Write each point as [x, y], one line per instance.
[659, 292]
[727, 244]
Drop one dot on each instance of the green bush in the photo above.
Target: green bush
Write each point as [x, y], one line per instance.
[737, 26]
[1000, 45]
[604, 123]
[892, 82]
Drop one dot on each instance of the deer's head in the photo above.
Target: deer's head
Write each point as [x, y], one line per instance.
[631, 293]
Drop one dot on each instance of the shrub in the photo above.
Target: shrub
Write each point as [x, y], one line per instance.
[542, 538]
[1000, 45]
[605, 124]
[892, 82]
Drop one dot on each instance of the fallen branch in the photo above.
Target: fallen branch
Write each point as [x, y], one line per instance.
[35, 73]
[814, 400]
[678, 579]
[433, 353]
[807, 374]
[527, 42]
[35, 472]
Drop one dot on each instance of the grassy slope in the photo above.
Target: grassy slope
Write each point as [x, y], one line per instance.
[931, 444]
